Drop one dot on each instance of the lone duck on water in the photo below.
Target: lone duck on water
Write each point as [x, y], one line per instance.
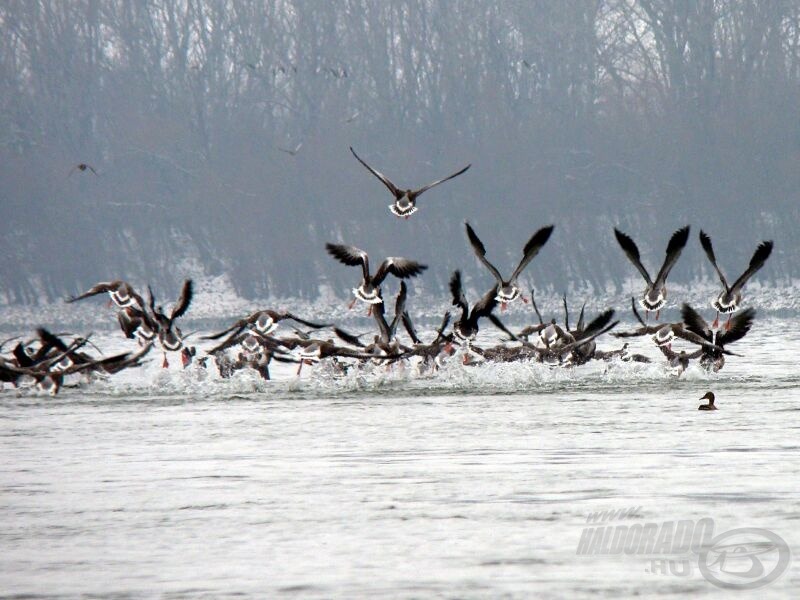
[710, 406]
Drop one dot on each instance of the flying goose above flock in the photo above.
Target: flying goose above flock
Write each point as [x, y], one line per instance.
[405, 201]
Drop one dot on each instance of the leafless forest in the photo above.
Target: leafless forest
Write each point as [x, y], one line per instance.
[219, 130]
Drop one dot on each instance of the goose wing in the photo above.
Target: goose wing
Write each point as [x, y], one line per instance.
[21, 356]
[636, 312]
[484, 306]
[117, 364]
[536, 308]
[288, 315]
[112, 364]
[399, 267]
[151, 303]
[695, 323]
[532, 248]
[379, 314]
[760, 256]
[350, 256]
[495, 320]
[705, 242]
[632, 252]
[595, 325]
[184, 300]
[740, 324]
[674, 249]
[581, 324]
[690, 336]
[410, 329]
[438, 181]
[49, 341]
[234, 338]
[385, 180]
[348, 337]
[238, 326]
[440, 332]
[567, 348]
[399, 308]
[99, 288]
[75, 345]
[457, 292]
[480, 252]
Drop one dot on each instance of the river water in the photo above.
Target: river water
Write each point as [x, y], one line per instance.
[475, 482]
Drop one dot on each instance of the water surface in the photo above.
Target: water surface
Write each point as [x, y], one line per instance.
[476, 482]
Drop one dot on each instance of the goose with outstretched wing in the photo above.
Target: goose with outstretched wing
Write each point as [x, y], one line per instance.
[121, 293]
[369, 289]
[466, 327]
[263, 322]
[405, 201]
[508, 289]
[730, 298]
[713, 357]
[655, 294]
[169, 334]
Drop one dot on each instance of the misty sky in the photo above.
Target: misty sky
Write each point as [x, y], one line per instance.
[220, 133]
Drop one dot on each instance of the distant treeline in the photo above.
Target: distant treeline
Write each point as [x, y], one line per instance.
[219, 130]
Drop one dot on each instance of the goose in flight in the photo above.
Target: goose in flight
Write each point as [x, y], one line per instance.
[730, 298]
[169, 334]
[466, 326]
[405, 201]
[263, 322]
[713, 359]
[655, 294]
[369, 289]
[121, 293]
[508, 290]
[82, 167]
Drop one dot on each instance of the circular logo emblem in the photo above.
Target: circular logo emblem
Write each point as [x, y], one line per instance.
[744, 559]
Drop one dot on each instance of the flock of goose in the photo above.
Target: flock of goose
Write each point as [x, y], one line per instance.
[252, 342]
